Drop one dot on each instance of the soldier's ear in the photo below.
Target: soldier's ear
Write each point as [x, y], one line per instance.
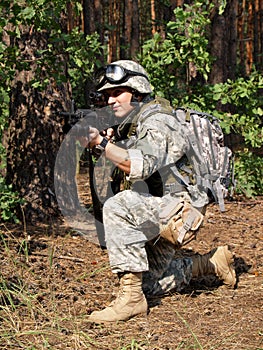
[136, 96]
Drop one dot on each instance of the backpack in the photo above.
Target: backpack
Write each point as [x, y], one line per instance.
[211, 162]
[210, 167]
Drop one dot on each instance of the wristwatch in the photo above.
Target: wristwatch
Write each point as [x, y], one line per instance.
[103, 144]
[99, 149]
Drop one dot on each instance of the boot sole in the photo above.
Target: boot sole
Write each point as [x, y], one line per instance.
[97, 321]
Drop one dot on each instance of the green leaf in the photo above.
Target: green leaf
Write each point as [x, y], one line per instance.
[28, 13]
[258, 111]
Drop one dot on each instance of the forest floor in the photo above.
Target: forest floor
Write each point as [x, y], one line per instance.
[52, 278]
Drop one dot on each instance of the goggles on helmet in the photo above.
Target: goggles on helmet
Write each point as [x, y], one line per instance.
[114, 74]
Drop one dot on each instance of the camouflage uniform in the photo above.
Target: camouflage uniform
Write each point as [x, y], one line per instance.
[137, 220]
[131, 219]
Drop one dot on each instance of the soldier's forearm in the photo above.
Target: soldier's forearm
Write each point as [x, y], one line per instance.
[118, 156]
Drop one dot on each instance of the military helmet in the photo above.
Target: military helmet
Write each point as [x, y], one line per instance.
[123, 73]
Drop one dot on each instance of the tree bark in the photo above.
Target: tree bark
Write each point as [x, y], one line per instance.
[153, 17]
[223, 44]
[260, 30]
[249, 41]
[135, 38]
[34, 132]
[126, 36]
[93, 18]
[114, 33]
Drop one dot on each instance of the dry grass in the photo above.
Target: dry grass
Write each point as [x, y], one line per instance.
[50, 280]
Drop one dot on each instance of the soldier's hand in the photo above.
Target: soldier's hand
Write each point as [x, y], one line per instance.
[94, 137]
[84, 141]
[108, 133]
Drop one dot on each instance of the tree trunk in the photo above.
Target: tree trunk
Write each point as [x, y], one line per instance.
[256, 34]
[153, 17]
[114, 34]
[260, 31]
[240, 29]
[129, 36]
[224, 44]
[135, 38]
[34, 132]
[126, 37]
[93, 18]
[249, 41]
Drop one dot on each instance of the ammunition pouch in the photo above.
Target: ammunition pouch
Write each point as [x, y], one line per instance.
[179, 222]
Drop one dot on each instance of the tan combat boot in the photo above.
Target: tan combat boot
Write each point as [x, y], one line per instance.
[219, 262]
[129, 302]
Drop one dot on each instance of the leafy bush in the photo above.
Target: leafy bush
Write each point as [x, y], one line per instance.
[242, 100]
[82, 52]
[249, 174]
[238, 104]
[169, 61]
[9, 200]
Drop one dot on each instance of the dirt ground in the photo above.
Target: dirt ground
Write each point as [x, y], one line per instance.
[52, 278]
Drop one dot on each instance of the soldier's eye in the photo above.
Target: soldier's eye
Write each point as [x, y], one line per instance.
[117, 92]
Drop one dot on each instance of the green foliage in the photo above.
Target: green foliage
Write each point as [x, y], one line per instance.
[4, 110]
[82, 60]
[222, 6]
[78, 52]
[43, 13]
[8, 202]
[189, 35]
[246, 100]
[238, 104]
[241, 113]
[8, 199]
[72, 51]
[157, 59]
[249, 174]
[75, 51]
[168, 61]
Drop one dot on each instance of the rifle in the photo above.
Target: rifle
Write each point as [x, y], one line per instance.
[77, 122]
[97, 100]
[71, 119]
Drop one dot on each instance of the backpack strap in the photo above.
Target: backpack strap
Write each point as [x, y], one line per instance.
[220, 195]
[157, 105]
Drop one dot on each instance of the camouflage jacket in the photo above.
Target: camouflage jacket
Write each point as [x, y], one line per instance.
[157, 141]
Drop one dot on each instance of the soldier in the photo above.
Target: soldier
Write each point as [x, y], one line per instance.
[139, 250]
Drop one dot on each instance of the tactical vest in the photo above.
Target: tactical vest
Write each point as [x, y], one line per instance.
[155, 183]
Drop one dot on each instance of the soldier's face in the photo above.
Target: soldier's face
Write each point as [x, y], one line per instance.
[119, 99]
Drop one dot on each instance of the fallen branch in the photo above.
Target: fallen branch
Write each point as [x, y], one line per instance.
[64, 257]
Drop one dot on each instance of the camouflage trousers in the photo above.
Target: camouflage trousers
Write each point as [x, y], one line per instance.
[131, 222]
